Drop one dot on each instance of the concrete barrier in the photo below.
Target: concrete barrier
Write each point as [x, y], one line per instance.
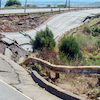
[64, 69]
[53, 89]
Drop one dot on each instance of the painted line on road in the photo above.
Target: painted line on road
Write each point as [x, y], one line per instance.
[58, 25]
[71, 16]
[16, 90]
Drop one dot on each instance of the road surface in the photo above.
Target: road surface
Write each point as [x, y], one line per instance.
[16, 76]
[31, 10]
[59, 24]
[9, 93]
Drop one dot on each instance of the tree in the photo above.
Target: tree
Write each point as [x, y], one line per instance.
[69, 47]
[48, 6]
[12, 2]
[43, 38]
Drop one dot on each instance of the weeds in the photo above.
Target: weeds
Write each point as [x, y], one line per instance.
[89, 42]
[38, 68]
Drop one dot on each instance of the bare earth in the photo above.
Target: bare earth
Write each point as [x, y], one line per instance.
[22, 23]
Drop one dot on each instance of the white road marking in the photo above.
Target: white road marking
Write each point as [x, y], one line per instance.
[15, 89]
[58, 25]
[71, 16]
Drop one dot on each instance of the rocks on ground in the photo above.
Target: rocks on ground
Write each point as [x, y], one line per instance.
[14, 51]
[21, 23]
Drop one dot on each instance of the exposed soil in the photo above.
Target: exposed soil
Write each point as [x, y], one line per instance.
[98, 23]
[22, 23]
[80, 84]
[83, 85]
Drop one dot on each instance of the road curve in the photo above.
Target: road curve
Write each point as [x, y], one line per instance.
[59, 24]
[13, 11]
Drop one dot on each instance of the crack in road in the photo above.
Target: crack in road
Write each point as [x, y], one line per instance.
[18, 78]
[4, 71]
[15, 73]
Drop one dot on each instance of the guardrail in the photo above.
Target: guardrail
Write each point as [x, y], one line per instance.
[47, 12]
[88, 70]
[55, 90]
[91, 71]
[29, 13]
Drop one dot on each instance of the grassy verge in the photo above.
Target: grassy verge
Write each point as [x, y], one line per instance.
[88, 39]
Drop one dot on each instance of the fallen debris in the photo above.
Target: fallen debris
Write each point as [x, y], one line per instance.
[21, 23]
[13, 50]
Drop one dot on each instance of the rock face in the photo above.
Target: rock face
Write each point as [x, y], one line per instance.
[21, 23]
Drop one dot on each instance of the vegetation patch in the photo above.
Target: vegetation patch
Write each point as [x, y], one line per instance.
[80, 46]
[43, 39]
[69, 49]
[88, 39]
[12, 2]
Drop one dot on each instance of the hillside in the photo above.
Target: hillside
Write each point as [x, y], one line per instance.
[88, 38]
[96, 4]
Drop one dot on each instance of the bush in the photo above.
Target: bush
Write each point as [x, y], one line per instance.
[96, 31]
[43, 39]
[61, 5]
[12, 2]
[69, 47]
[87, 29]
[48, 6]
[34, 6]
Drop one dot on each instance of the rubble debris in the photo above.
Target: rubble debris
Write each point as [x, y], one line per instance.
[21, 23]
[8, 53]
[17, 51]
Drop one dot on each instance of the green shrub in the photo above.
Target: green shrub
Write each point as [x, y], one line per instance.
[96, 31]
[43, 39]
[48, 6]
[80, 55]
[63, 58]
[61, 5]
[69, 47]
[92, 57]
[12, 2]
[34, 6]
[37, 68]
[87, 29]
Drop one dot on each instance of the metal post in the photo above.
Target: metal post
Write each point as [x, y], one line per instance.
[25, 6]
[69, 5]
[66, 4]
[0, 3]
[57, 75]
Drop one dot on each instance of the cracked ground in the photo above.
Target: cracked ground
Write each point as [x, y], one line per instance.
[22, 23]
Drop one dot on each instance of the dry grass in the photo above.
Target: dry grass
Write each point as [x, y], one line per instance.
[80, 84]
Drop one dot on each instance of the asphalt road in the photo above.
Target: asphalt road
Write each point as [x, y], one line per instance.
[9, 93]
[31, 10]
[17, 77]
[59, 24]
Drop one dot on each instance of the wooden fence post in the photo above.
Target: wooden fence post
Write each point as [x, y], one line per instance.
[57, 75]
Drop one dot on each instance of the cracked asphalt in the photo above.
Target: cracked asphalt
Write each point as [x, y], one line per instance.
[16, 76]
